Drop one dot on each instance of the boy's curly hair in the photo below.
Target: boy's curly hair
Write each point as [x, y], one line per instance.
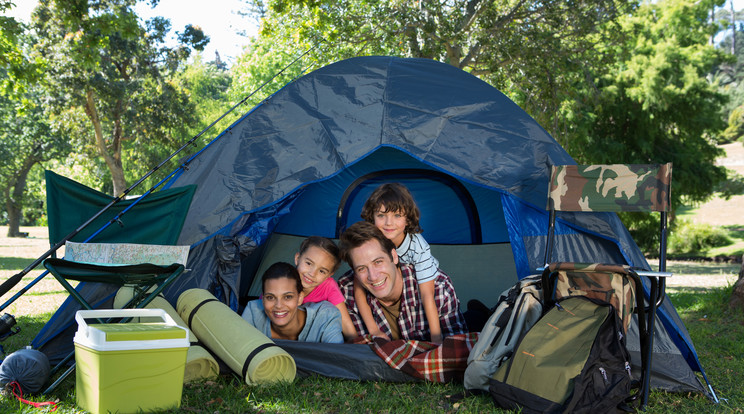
[395, 197]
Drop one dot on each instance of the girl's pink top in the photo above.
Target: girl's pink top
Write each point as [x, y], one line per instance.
[327, 290]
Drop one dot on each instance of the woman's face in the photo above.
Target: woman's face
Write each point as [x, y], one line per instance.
[314, 265]
[280, 300]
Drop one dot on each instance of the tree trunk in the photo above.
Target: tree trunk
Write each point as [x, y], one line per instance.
[733, 29]
[14, 200]
[14, 217]
[711, 41]
[113, 161]
[737, 297]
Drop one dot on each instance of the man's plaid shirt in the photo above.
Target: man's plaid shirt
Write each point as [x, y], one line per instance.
[412, 319]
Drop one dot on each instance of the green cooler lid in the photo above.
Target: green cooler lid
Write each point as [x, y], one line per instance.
[139, 331]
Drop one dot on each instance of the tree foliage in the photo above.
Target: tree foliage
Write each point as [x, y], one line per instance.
[729, 74]
[611, 81]
[102, 62]
[18, 69]
[654, 103]
[532, 50]
[28, 138]
[207, 84]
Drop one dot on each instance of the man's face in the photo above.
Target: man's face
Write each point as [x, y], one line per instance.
[377, 272]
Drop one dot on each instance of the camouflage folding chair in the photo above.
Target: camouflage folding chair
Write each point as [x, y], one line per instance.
[611, 188]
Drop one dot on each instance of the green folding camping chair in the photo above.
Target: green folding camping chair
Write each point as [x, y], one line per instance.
[612, 188]
[148, 269]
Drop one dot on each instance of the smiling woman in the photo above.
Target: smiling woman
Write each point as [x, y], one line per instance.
[280, 314]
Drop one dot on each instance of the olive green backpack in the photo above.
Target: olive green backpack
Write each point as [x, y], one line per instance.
[573, 360]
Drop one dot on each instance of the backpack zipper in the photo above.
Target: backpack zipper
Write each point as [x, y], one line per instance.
[604, 376]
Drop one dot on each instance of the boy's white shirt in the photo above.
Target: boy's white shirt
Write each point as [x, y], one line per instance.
[415, 251]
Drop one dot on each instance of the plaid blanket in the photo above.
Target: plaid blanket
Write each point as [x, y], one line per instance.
[425, 360]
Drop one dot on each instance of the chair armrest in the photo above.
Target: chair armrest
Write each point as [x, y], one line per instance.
[649, 273]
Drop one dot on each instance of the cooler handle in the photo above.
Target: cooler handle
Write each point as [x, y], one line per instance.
[81, 315]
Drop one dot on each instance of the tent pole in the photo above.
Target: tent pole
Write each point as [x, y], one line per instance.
[15, 279]
[549, 239]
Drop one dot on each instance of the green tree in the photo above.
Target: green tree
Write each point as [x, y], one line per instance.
[730, 73]
[654, 104]
[735, 129]
[18, 69]
[262, 65]
[28, 138]
[613, 83]
[104, 63]
[530, 49]
[207, 83]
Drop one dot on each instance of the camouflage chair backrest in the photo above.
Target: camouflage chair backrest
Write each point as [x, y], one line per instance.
[605, 282]
[612, 187]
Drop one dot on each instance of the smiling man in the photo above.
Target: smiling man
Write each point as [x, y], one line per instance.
[391, 287]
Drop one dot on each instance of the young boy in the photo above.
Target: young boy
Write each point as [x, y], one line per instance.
[391, 209]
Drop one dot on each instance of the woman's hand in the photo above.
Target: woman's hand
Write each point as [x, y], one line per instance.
[379, 334]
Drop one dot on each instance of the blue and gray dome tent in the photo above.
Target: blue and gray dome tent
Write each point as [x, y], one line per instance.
[303, 161]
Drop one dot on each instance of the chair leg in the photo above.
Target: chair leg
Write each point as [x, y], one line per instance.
[61, 378]
[648, 352]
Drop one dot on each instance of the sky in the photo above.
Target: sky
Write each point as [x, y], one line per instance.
[217, 18]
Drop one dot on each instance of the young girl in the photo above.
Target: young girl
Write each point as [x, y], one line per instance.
[391, 209]
[316, 262]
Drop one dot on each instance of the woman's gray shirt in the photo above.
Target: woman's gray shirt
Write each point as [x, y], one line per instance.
[323, 322]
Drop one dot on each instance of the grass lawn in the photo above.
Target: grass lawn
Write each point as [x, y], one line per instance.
[716, 331]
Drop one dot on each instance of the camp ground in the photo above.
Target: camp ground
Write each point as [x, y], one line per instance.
[302, 163]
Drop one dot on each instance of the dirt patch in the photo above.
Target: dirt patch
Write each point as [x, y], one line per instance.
[15, 255]
[734, 158]
[32, 246]
[717, 211]
[699, 275]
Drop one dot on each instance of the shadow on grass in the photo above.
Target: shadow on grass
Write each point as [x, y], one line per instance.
[685, 291]
[15, 263]
[703, 268]
[710, 300]
[736, 231]
[29, 327]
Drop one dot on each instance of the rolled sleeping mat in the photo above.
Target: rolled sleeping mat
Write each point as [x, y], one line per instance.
[124, 295]
[200, 364]
[247, 351]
